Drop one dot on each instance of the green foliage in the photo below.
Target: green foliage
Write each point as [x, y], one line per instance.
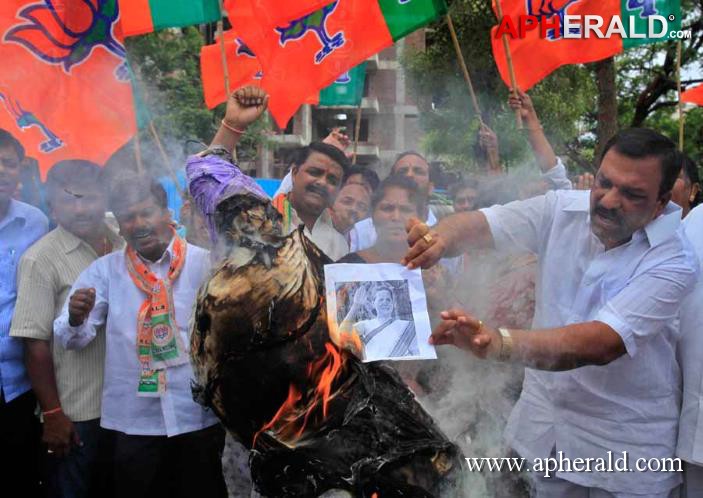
[566, 101]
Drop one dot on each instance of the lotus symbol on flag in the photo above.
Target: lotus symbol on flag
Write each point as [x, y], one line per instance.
[548, 8]
[242, 49]
[314, 23]
[66, 32]
[25, 119]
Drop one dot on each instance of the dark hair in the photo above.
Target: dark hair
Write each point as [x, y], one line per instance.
[690, 171]
[406, 154]
[402, 182]
[7, 139]
[366, 173]
[639, 143]
[462, 185]
[65, 174]
[301, 155]
[131, 189]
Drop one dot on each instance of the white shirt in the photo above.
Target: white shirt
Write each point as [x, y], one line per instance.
[323, 234]
[631, 404]
[690, 445]
[117, 302]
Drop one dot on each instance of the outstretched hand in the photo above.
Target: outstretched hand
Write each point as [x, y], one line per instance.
[245, 106]
[427, 246]
[466, 332]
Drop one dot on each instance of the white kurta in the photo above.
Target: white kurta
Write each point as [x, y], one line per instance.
[631, 404]
[117, 302]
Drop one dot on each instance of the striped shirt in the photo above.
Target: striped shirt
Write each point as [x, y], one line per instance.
[46, 273]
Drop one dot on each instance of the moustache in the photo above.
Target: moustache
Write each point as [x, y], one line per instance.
[319, 191]
[608, 214]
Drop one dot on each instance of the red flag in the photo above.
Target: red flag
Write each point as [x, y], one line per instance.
[693, 95]
[302, 56]
[243, 68]
[65, 85]
[535, 56]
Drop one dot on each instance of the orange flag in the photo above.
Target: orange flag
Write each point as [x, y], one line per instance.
[305, 55]
[693, 95]
[534, 56]
[243, 68]
[65, 89]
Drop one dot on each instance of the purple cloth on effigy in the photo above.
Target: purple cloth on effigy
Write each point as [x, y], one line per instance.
[212, 179]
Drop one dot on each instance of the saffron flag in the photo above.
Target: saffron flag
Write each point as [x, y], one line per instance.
[693, 95]
[243, 68]
[65, 89]
[537, 51]
[144, 16]
[304, 55]
[347, 89]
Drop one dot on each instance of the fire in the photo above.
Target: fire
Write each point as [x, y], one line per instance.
[293, 416]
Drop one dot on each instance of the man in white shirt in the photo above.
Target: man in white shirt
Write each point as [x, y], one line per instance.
[690, 351]
[144, 296]
[602, 375]
[317, 173]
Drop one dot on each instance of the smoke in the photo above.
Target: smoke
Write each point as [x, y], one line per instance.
[471, 400]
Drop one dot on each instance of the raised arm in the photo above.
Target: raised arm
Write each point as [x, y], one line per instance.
[244, 107]
[452, 236]
[541, 147]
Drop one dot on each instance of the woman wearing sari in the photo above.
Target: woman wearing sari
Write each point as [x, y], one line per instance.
[385, 335]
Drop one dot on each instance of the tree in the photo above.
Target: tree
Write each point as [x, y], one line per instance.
[564, 101]
[577, 104]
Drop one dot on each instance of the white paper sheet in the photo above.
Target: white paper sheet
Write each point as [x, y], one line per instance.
[390, 316]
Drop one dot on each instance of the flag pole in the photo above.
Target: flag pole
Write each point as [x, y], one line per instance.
[138, 153]
[223, 48]
[678, 89]
[464, 69]
[509, 59]
[493, 161]
[357, 130]
[164, 156]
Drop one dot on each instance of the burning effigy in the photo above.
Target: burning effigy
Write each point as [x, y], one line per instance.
[314, 417]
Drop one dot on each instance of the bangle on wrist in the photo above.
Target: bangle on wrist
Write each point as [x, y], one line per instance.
[52, 411]
[232, 128]
[506, 345]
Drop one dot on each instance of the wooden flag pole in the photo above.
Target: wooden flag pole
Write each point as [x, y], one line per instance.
[493, 161]
[164, 156]
[223, 49]
[464, 69]
[678, 88]
[138, 153]
[357, 130]
[509, 59]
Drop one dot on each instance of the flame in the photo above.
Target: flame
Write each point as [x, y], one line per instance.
[296, 412]
[300, 408]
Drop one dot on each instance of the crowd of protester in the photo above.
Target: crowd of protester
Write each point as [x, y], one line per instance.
[81, 415]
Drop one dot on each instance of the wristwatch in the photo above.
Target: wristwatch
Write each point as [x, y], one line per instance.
[506, 345]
